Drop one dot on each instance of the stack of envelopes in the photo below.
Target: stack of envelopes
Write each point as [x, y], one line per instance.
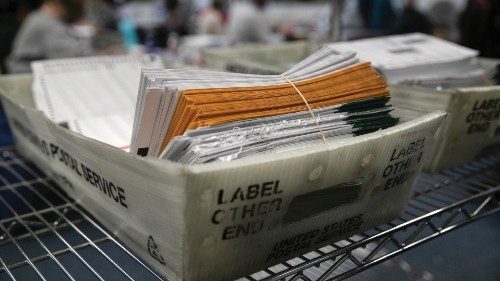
[422, 60]
[279, 133]
[346, 96]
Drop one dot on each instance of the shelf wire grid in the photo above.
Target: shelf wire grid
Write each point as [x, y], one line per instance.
[45, 235]
[440, 203]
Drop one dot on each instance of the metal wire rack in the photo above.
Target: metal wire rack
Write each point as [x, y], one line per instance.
[45, 235]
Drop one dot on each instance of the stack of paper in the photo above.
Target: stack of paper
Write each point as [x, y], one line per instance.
[171, 102]
[474, 78]
[191, 116]
[421, 59]
[93, 96]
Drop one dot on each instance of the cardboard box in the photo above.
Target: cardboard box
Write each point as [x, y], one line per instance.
[222, 221]
[472, 123]
[257, 58]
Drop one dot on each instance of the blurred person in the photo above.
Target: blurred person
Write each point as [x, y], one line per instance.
[352, 24]
[248, 24]
[101, 14]
[443, 15]
[176, 17]
[9, 25]
[411, 20]
[378, 16]
[175, 25]
[479, 26]
[100, 26]
[45, 34]
[210, 20]
[12, 14]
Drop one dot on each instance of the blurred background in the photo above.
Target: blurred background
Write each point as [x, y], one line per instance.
[182, 30]
[197, 33]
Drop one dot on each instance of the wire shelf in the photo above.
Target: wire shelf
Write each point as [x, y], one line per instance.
[45, 235]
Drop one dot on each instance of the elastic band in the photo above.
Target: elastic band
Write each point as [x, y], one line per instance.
[308, 107]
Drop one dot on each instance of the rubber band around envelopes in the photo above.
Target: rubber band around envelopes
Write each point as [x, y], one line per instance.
[308, 107]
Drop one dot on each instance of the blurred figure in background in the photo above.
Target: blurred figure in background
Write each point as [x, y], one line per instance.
[210, 20]
[248, 24]
[444, 16]
[101, 14]
[12, 14]
[177, 16]
[480, 27]
[45, 34]
[378, 16]
[8, 28]
[100, 26]
[411, 20]
[175, 25]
